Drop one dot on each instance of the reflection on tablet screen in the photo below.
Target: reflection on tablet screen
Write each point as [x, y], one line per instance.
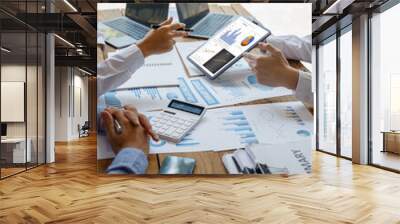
[218, 61]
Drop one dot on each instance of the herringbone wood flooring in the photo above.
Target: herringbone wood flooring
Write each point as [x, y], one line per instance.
[70, 191]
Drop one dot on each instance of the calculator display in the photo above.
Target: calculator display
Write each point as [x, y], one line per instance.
[190, 108]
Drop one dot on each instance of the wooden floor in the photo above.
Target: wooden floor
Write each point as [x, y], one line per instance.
[70, 191]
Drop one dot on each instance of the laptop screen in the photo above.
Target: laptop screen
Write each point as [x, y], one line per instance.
[147, 13]
[191, 13]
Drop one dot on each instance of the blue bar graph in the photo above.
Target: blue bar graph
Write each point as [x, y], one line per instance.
[292, 113]
[242, 122]
[230, 36]
[186, 92]
[187, 141]
[152, 92]
[237, 123]
[208, 97]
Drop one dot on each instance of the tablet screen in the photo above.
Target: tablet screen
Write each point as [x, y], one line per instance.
[227, 45]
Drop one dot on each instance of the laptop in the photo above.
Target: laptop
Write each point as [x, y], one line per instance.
[136, 22]
[197, 16]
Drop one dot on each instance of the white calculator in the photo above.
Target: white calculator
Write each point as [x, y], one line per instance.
[175, 121]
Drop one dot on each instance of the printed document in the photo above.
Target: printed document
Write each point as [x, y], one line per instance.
[158, 70]
[232, 88]
[236, 127]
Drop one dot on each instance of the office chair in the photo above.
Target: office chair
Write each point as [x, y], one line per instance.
[84, 130]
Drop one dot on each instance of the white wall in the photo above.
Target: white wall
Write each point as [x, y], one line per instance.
[15, 73]
[33, 126]
[70, 84]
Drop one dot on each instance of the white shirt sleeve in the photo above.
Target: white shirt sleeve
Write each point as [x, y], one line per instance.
[118, 68]
[293, 47]
[297, 48]
[303, 89]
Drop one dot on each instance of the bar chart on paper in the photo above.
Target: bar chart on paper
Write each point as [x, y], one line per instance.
[237, 123]
[150, 98]
[282, 121]
[236, 127]
[230, 125]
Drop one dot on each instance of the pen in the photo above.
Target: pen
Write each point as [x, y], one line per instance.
[117, 126]
[155, 26]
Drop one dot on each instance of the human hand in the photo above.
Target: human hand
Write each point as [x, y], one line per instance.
[161, 40]
[131, 112]
[133, 134]
[272, 68]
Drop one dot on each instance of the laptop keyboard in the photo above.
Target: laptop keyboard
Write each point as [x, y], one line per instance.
[129, 27]
[211, 24]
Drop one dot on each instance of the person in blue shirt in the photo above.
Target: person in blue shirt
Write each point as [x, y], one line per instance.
[131, 145]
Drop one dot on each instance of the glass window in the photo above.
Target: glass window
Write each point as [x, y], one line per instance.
[14, 151]
[346, 93]
[22, 91]
[327, 96]
[385, 89]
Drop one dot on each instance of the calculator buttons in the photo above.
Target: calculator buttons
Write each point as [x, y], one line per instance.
[172, 127]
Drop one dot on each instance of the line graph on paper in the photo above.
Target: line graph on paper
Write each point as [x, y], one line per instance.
[281, 124]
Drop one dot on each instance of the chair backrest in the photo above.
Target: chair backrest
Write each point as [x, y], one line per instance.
[86, 125]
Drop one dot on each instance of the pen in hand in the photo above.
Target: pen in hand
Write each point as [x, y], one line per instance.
[117, 126]
[156, 26]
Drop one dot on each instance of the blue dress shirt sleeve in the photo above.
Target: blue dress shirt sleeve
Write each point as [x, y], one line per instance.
[129, 161]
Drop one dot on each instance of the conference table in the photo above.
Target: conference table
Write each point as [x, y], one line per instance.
[209, 162]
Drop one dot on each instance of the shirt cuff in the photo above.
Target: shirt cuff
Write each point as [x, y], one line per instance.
[303, 89]
[129, 161]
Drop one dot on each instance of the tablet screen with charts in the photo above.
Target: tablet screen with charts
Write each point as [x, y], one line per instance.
[227, 46]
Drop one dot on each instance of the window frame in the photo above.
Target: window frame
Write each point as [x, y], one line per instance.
[334, 37]
[378, 10]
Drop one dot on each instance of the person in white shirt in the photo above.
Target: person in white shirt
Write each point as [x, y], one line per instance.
[118, 68]
[273, 69]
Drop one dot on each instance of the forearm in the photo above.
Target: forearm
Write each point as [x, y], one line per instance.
[129, 161]
[118, 68]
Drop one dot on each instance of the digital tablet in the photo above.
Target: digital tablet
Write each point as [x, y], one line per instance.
[227, 46]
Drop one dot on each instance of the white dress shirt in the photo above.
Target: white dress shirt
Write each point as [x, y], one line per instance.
[297, 48]
[118, 68]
